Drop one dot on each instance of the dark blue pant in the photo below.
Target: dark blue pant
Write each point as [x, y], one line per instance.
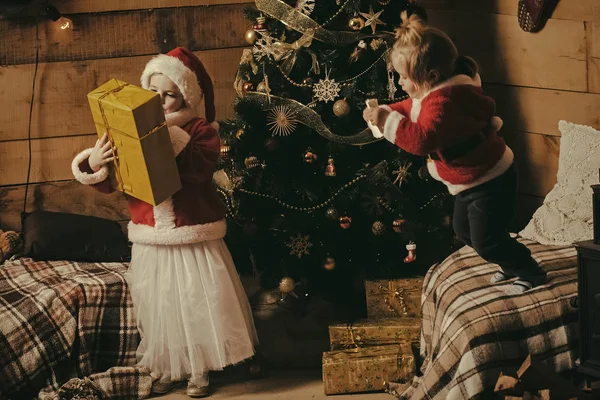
[482, 219]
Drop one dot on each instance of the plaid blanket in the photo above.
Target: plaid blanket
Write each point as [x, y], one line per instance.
[59, 320]
[472, 330]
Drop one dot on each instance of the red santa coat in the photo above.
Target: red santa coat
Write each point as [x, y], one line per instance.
[447, 115]
[193, 214]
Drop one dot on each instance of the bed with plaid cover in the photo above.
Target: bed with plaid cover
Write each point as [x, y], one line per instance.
[59, 320]
[472, 330]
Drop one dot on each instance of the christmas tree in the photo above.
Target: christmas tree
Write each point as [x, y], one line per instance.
[317, 200]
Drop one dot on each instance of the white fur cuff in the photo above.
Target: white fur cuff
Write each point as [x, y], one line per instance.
[391, 126]
[145, 234]
[84, 177]
[179, 139]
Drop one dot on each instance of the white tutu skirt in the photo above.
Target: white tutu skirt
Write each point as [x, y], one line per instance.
[191, 309]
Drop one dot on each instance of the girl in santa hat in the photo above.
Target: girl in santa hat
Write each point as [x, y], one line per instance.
[192, 312]
[450, 120]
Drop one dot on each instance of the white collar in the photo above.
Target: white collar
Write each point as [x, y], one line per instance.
[181, 117]
[454, 81]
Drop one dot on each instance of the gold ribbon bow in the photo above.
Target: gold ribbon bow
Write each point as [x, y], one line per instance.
[289, 52]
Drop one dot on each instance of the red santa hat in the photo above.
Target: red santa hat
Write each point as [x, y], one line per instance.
[187, 72]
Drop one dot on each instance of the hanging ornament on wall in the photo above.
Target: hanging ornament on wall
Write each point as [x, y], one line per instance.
[378, 228]
[361, 47]
[329, 263]
[341, 108]
[345, 222]
[309, 156]
[356, 23]
[260, 25]
[250, 36]
[412, 252]
[282, 120]
[330, 169]
[332, 213]
[398, 225]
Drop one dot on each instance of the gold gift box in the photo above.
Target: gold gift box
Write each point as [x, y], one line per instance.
[134, 120]
[367, 369]
[374, 332]
[394, 298]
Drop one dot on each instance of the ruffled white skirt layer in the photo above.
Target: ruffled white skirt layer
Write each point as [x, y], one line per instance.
[191, 309]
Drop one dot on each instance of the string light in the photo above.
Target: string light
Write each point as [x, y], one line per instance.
[63, 22]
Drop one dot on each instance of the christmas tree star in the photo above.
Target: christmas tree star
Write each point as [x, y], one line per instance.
[373, 19]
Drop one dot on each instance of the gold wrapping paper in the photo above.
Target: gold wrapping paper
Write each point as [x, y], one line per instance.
[367, 369]
[133, 118]
[374, 332]
[394, 298]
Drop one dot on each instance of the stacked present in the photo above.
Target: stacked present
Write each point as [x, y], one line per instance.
[367, 354]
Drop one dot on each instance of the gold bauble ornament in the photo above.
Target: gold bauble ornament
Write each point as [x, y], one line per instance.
[329, 263]
[250, 36]
[262, 87]
[356, 23]
[341, 108]
[287, 285]
[309, 156]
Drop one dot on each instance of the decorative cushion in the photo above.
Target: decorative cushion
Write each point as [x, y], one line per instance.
[73, 237]
[566, 215]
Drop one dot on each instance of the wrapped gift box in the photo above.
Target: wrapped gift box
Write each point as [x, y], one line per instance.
[394, 297]
[367, 369]
[135, 123]
[374, 332]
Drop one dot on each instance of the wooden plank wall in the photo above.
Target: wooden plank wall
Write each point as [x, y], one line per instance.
[537, 79]
[111, 39]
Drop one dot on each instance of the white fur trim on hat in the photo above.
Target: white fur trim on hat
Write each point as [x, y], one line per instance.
[84, 177]
[145, 234]
[173, 68]
[179, 139]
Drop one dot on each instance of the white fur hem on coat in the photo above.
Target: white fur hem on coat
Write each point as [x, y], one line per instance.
[498, 169]
[145, 234]
[84, 177]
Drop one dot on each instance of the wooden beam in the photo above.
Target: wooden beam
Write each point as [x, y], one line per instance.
[554, 58]
[88, 6]
[581, 10]
[121, 34]
[51, 159]
[60, 104]
[593, 60]
[537, 160]
[539, 110]
[70, 197]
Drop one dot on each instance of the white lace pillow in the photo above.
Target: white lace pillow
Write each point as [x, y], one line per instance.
[565, 216]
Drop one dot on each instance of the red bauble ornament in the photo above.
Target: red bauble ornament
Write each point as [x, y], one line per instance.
[248, 87]
[345, 221]
[260, 25]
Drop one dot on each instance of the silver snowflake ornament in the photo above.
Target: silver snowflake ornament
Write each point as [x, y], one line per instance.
[299, 245]
[326, 90]
[306, 7]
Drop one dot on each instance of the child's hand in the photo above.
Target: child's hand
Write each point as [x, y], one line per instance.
[102, 154]
[376, 116]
